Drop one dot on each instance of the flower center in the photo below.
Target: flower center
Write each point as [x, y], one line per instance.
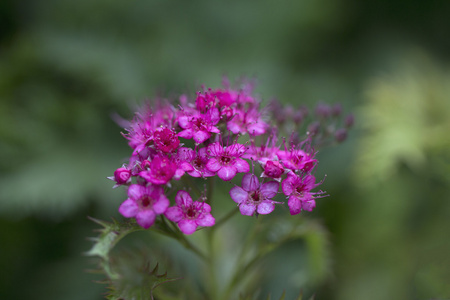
[255, 196]
[225, 160]
[146, 201]
[200, 124]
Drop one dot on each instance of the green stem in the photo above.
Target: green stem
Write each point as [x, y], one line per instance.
[176, 234]
[212, 266]
[225, 218]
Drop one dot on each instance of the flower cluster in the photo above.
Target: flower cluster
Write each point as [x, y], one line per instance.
[217, 133]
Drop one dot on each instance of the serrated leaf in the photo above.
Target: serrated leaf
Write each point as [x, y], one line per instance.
[110, 235]
[134, 277]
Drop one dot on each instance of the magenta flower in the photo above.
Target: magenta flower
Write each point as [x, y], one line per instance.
[194, 163]
[144, 203]
[255, 197]
[226, 161]
[247, 121]
[160, 170]
[298, 188]
[297, 159]
[139, 135]
[166, 140]
[199, 126]
[189, 214]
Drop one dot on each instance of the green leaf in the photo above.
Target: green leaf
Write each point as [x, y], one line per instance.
[110, 235]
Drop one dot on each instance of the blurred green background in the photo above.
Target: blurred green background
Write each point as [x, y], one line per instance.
[67, 66]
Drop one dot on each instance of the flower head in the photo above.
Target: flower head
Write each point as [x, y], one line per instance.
[189, 214]
[160, 170]
[227, 161]
[144, 203]
[298, 189]
[254, 196]
[166, 139]
[199, 126]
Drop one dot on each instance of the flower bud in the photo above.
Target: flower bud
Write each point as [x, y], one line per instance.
[313, 128]
[323, 110]
[122, 175]
[340, 135]
[336, 110]
[273, 169]
[349, 120]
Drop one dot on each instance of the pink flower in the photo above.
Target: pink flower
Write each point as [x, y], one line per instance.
[144, 203]
[160, 170]
[263, 153]
[194, 163]
[226, 161]
[189, 214]
[253, 196]
[299, 191]
[166, 140]
[297, 159]
[199, 126]
[139, 135]
[247, 121]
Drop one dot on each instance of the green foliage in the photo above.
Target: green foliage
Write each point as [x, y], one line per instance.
[129, 273]
[405, 120]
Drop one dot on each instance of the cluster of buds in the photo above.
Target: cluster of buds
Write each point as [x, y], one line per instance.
[219, 132]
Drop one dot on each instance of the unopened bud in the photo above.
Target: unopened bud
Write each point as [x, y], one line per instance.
[336, 110]
[340, 135]
[122, 175]
[313, 128]
[323, 110]
[349, 120]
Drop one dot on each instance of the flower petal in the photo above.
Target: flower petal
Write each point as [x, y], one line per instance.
[227, 173]
[308, 205]
[201, 136]
[213, 165]
[187, 133]
[269, 189]
[146, 218]
[265, 207]
[185, 122]
[288, 185]
[187, 226]
[241, 165]
[136, 191]
[238, 194]
[183, 199]
[250, 182]
[161, 204]
[295, 206]
[247, 209]
[174, 214]
[129, 208]
[207, 220]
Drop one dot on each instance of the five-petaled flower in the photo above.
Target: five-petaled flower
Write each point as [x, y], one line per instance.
[189, 214]
[144, 203]
[254, 196]
[298, 189]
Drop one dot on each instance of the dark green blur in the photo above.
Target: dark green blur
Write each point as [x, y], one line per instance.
[66, 67]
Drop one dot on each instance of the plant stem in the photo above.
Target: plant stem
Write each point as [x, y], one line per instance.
[226, 217]
[180, 237]
[212, 266]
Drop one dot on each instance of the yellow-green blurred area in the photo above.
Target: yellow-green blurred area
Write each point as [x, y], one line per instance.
[67, 66]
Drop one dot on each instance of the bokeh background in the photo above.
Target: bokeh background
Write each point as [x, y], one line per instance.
[67, 66]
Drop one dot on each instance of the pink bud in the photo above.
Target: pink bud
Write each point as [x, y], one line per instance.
[122, 175]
